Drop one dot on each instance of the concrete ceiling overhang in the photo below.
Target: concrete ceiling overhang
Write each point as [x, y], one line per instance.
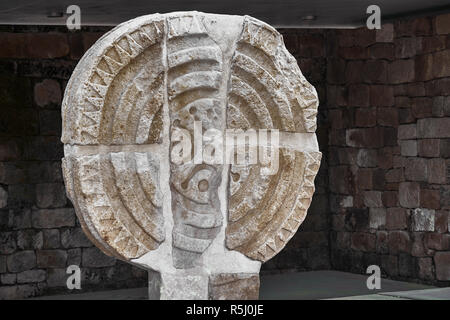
[281, 13]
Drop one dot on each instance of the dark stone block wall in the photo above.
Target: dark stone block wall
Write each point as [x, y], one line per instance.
[388, 95]
[40, 235]
[382, 192]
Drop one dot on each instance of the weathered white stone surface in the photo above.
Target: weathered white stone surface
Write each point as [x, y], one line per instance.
[202, 230]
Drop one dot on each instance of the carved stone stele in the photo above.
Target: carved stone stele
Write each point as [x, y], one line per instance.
[201, 229]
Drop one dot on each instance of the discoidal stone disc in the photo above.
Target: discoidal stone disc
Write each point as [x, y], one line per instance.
[201, 229]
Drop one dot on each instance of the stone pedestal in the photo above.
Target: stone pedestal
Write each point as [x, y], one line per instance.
[196, 286]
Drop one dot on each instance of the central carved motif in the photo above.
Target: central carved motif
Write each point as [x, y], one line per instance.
[144, 89]
[194, 80]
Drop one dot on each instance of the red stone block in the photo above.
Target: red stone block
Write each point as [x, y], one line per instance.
[385, 158]
[47, 92]
[381, 96]
[418, 249]
[404, 27]
[399, 241]
[364, 179]
[348, 155]
[19, 122]
[395, 175]
[346, 38]
[401, 101]
[375, 71]
[340, 179]
[33, 45]
[366, 158]
[382, 242]
[437, 171]
[442, 24]
[365, 37]
[9, 149]
[407, 132]
[389, 136]
[401, 71]
[358, 202]
[306, 65]
[377, 218]
[441, 221]
[423, 26]
[386, 33]
[444, 146]
[378, 180]
[439, 104]
[441, 64]
[433, 128]
[353, 72]
[409, 194]
[365, 117]
[291, 43]
[430, 199]
[422, 107]
[332, 96]
[401, 90]
[442, 263]
[363, 241]
[89, 38]
[389, 264]
[335, 117]
[353, 53]
[372, 199]
[416, 169]
[76, 45]
[437, 241]
[405, 116]
[407, 47]
[342, 96]
[366, 137]
[338, 221]
[387, 117]
[432, 44]
[395, 150]
[359, 95]
[391, 186]
[438, 87]
[306, 239]
[429, 147]
[336, 71]
[390, 198]
[337, 137]
[343, 240]
[411, 27]
[396, 219]
[311, 46]
[415, 89]
[425, 268]
[382, 51]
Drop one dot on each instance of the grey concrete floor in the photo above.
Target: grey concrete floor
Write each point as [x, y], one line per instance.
[301, 286]
[325, 285]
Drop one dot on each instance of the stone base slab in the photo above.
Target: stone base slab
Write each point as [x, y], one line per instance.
[221, 286]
